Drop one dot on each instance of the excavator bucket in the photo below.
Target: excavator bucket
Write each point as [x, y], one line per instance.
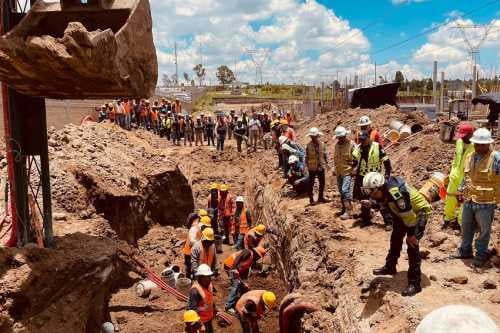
[81, 49]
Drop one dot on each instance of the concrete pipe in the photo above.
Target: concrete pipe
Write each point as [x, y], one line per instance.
[183, 285]
[415, 128]
[404, 132]
[144, 288]
[395, 125]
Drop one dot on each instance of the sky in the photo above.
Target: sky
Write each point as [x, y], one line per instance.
[311, 41]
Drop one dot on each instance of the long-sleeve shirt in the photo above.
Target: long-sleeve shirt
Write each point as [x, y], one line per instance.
[253, 125]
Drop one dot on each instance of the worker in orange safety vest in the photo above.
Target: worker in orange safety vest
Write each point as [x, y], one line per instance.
[227, 208]
[252, 306]
[203, 251]
[242, 223]
[201, 297]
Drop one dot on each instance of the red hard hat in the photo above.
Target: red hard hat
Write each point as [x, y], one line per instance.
[464, 130]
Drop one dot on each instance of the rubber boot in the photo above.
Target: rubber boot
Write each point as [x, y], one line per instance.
[348, 211]
[385, 270]
[411, 290]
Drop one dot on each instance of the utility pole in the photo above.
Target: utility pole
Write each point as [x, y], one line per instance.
[441, 102]
[434, 83]
[322, 96]
[176, 66]
[474, 81]
[333, 95]
[375, 79]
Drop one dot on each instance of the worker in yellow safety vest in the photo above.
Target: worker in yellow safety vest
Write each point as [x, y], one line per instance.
[452, 209]
[481, 195]
[369, 157]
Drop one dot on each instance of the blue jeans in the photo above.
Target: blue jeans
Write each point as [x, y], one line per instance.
[234, 292]
[481, 216]
[344, 185]
[239, 243]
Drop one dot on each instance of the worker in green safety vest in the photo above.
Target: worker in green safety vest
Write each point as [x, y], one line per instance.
[452, 208]
[409, 210]
[369, 157]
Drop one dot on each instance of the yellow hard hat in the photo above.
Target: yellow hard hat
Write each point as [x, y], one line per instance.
[202, 212]
[224, 188]
[206, 221]
[284, 122]
[213, 186]
[208, 234]
[260, 229]
[269, 299]
[191, 316]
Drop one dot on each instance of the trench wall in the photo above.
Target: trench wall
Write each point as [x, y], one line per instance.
[305, 256]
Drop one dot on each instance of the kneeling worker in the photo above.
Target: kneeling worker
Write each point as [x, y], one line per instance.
[252, 306]
[201, 297]
[297, 175]
[193, 322]
[409, 210]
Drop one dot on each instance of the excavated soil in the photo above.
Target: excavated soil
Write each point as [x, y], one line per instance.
[110, 185]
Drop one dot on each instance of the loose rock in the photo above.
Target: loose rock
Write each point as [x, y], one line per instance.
[489, 284]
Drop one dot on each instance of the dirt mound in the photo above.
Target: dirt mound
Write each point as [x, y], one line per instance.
[104, 170]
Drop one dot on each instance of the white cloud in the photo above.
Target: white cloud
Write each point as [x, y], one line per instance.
[454, 14]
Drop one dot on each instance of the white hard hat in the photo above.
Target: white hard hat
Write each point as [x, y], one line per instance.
[314, 131]
[293, 159]
[204, 270]
[282, 139]
[482, 136]
[107, 327]
[341, 131]
[240, 199]
[364, 121]
[373, 180]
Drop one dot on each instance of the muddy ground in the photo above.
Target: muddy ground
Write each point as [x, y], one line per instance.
[113, 188]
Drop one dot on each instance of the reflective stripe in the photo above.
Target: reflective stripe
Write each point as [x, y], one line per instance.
[374, 162]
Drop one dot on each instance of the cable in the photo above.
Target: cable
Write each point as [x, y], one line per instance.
[429, 30]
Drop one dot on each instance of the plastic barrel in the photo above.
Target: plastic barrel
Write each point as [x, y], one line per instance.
[144, 288]
[183, 285]
[169, 275]
[431, 189]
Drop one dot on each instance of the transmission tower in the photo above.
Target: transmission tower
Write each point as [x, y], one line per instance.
[474, 42]
[258, 57]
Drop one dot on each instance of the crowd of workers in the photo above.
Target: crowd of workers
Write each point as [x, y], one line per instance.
[168, 120]
[363, 173]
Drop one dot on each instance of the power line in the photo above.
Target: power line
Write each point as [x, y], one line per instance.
[429, 30]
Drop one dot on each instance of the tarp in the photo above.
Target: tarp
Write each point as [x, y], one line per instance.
[490, 98]
[375, 96]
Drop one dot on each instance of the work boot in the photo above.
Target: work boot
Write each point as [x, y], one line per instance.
[385, 270]
[342, 211]
[460, 255]
[348, 211]
[323, 200]
[411, 290]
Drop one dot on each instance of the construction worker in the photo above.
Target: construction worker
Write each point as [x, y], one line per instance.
[252, 306]
[343, 161]
[242, 222]
[369, 157]
[203, 251]
[365, 124]
[462, 148]
[213, 205]
[201, 297]
[287, 131]
[255, 237]
[240, 134]
[237, 266]
[289, 148]
[227, 206]
[409, 210]
[297, 175]
[316, 161]
[193, 236]
[193, 323]
[254, 128]
[198, 132]
[481, 194]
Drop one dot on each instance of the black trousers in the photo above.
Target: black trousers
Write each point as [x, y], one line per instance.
[209, 328]
[187, 263]
[398, 234]
[320, 174]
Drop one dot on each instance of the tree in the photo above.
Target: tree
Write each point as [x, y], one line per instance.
[429, 85]
[166, 80]
[225, 75]
[381, 79]
[200, 72]
[192, 83]
[399, 77]
[186, 77]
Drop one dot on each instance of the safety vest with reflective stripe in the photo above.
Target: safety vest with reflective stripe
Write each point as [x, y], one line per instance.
[207, 256]
[243, 222]
[254, 296]
[419, 204]
[205, 306]
[244, 265]
[188, 245]
[374, 163]
[457, 166]
[482, 185]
